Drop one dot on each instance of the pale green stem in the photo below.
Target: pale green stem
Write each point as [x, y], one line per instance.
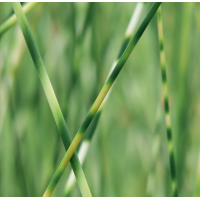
[12, 20]
[107, 86]
[82, 152]
[58, 116]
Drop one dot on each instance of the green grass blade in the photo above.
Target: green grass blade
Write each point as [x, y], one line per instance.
[58, 116]
[12, 20]
[166, 105]
[107, 86]
[91, 130]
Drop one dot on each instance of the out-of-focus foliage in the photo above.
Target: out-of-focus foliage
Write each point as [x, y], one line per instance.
[78, 43]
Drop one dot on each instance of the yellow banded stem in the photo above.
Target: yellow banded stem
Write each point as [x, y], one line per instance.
[91, 129]
[104, 92]
[51, 97]
[166, 105]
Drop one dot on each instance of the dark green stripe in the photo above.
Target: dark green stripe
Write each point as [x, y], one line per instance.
[114, 75]
[161, 45]
[91, 129]
[169, 133]
[86, 123]
[123, 47]
[164, 75]
[166, 105]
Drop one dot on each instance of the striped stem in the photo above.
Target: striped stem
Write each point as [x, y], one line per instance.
[103, 93]
[58, 116]
[166, 105]
[12, 20]
[82, 152]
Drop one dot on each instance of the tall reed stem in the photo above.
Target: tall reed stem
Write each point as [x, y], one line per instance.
[82, 152]
[12, 20]
[107, 86]
[58, 116]
[166, 105]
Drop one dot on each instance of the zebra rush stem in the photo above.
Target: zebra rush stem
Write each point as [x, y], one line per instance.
[12, 20]
[91, 129]
[103, 94]
[58, 116]
[166, 105]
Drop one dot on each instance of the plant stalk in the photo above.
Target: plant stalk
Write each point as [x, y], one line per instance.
[12, 20]
[58, 116]
[107, 86]
[166, 105]
[82, 152]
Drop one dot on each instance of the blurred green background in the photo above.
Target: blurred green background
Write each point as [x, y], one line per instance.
[78, 43]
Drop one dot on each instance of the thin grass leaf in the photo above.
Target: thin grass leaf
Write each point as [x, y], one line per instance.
[166, 105]
[82, 152]
[107, 86]
[58, 116]
[12, 20]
